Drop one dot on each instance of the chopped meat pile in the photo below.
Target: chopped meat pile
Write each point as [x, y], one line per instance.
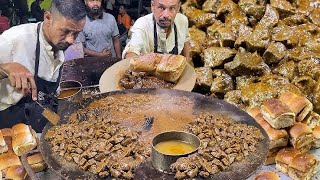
[134, 80]
[112, 136]
[222, 142]
[100, 147]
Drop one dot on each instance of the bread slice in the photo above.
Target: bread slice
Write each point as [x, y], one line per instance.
[145, 63]
[277, 113]
[8, 159]
[23, 142]
[271, 157]
[268, 175]
[3, 145]
[300, 135]
[23, 139]
[16, 172]
[284, 158]
[300, 105]
[36, 162]
[316, 134]
[278, 137]
[6, 132]
[303, 167]
[312, 120]
[171, 67]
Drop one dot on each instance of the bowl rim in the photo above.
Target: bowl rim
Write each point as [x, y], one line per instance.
[177, 155]
[65, 81]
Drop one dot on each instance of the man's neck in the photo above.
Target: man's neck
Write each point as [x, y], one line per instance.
[46, 37]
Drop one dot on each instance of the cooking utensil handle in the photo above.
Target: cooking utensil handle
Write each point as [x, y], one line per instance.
[32, 175]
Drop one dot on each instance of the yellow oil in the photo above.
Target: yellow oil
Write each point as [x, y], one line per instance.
[174, 147]
[67, 93]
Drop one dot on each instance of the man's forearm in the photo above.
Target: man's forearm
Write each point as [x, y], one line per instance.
[186, 51]
[90, 52]
[130, 54]
[117, 47]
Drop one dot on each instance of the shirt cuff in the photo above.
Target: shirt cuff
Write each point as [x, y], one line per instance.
[130, 49]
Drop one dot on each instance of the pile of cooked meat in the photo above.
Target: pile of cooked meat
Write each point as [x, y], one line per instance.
[100, 147]
[247, 51]
[112, 136]
[137, 80]
[223, 142]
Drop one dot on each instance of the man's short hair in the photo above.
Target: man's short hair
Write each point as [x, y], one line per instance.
[71, 9]
[123, 5]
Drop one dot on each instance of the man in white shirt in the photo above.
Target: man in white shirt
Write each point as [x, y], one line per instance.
[165, 30]
[31, 55]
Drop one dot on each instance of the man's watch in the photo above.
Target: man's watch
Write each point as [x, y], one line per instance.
[3, 73]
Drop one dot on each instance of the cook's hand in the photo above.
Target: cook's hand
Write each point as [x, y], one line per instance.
[21, 79]
[106, 53]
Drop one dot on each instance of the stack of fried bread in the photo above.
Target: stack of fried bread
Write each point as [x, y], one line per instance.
[14, 142]
[164, 66]
[277, 113]
[290, 117]
[301, 137]
[278, 138]
[23, 139]
[300, 105]
[296, 164]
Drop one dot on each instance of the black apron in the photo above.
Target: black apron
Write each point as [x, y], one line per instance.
[155, 37]
[26, 110]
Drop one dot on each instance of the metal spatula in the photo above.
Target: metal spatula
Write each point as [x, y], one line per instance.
[47, 113]
[53, 117]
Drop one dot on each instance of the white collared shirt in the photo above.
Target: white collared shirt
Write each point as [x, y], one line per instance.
[18, 44]
[142, 32]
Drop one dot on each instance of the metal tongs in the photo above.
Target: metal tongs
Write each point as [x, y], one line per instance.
[3, 74]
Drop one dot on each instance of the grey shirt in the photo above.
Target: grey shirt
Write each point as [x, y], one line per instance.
[97, 33]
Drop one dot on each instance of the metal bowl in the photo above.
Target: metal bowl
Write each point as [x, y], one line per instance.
[162, 161]
[69, 85]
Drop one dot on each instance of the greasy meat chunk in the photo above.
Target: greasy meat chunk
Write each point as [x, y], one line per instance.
[199, 18]
[256, 93]
[243, 81]
[316, 97]
[246, 63]
[315, 16]
[274, 53]
[222, 83]
[252, 8]
[244, 34]
[216, 56]
[204, 76]
[305, 83]
[234, 97]
[197, 37]
[81, 142]
[259, 39]
[283, 6]
[221, 142]
[286, 69]
[210, 6]
[309, 68]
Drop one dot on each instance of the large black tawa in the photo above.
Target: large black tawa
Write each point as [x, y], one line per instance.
[238, 170]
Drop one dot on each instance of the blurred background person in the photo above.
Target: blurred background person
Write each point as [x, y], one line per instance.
[100, 35]
[36, 10]
[124, 23]
[4, 23]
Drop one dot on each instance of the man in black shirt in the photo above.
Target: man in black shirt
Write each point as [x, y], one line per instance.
[36, 10]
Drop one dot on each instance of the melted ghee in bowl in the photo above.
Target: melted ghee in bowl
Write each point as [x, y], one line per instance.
[174, 147]
[67, 93]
